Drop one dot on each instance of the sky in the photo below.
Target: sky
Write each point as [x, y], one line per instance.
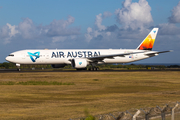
[90, 24]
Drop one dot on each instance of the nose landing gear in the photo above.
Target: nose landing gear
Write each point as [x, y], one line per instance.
[18, 67]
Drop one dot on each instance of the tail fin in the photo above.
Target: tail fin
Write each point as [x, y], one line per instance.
[148, 42]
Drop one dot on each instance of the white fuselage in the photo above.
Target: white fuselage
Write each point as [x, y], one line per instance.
[63, 56]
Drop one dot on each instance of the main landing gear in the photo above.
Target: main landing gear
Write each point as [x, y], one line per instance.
[90, 69]
[93, 68]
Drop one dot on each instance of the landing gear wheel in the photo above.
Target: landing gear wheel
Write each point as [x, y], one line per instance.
[18, 69]
[93, 68]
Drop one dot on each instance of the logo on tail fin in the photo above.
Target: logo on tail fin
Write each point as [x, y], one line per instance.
[148, 42]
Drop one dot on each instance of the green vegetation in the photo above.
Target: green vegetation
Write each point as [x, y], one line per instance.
[7, 65]
[88, 116]
[103, 66]
[99, 92]
[132, 66]
[95, 79]
[34, 83]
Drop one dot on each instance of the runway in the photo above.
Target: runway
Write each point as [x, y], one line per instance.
[71, 70]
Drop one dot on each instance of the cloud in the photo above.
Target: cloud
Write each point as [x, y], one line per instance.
[168, 29]
[122, 33]
[58, 38]
[13, 30]
[136, 22]
[4, 34]
[27, 29]
[89, 35]
[98, 22]
[107, 14]
[60, 28]
[7, 32]
[99, 30]
[4, 31]
[56, 31]
[175, 14]
[134, 15]
[108, 33]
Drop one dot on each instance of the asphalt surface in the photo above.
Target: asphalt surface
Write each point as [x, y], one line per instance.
[70, 70]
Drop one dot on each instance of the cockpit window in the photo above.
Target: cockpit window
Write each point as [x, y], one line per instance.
[11, 55]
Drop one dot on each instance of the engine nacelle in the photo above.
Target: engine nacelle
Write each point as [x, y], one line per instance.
[58, 65]
[79, 63]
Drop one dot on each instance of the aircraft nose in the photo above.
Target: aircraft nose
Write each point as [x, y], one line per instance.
[7, 58]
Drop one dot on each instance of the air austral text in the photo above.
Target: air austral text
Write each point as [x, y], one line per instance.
[74, 54]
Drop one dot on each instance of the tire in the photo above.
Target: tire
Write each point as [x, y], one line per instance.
[95, 68]
[92, 69]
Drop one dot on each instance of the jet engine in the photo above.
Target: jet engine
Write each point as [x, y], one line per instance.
[79, 63]
[58, 65]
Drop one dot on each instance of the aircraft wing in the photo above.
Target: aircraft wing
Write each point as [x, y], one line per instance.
[154, 53]
[100, 58]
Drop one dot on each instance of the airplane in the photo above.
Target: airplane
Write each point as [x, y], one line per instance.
[81, 58]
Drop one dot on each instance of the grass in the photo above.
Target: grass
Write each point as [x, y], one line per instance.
[34, 83]
[42, 95]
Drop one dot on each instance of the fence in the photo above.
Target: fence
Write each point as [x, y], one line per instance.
[169, 111]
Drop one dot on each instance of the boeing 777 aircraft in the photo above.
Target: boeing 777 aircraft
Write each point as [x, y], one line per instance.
[81, 58]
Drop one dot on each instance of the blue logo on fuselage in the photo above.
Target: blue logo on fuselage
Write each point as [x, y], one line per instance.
[36, 55]
[80, 63]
